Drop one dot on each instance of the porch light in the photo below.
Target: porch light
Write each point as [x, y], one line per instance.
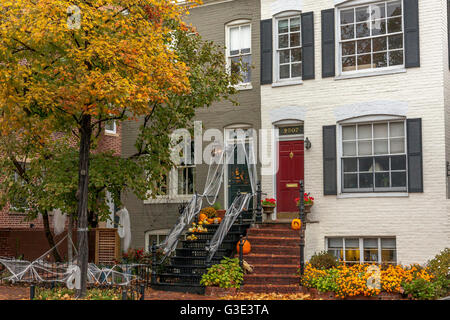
[307, 144]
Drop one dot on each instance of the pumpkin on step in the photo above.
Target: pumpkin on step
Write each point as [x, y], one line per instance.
[296, 224]
[246, 248]
[202, 217]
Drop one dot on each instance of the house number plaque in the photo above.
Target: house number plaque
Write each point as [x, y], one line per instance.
[286, 131]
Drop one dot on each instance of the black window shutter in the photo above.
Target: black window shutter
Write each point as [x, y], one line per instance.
[308, 46]
[329, 161]
[266, 51]
[415, 163]
[412, 45]
[328, 44]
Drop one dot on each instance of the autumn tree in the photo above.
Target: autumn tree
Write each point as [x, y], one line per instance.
[111, 60]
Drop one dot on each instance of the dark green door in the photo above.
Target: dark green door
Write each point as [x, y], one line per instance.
[238, 178]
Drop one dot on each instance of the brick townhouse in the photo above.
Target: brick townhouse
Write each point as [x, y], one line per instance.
[26, 238]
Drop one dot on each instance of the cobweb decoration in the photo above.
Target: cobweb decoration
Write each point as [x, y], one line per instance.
[59, 221]
[124, 229]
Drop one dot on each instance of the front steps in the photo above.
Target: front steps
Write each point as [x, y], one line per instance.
[275, 257]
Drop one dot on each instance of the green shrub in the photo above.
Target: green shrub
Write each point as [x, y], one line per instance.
[323, 260]
[422, 289]
[440, 264]
[217, 206]
[226, 274]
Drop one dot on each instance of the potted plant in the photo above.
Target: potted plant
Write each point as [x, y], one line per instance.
[308, 202]
[219, 211]
[268, 205]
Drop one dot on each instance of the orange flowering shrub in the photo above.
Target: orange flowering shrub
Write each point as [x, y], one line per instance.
[349, 281]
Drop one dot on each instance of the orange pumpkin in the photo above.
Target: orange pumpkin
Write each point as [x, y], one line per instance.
[296, 224]
[246, 248]
[202, 217]
[210, 221]
[219, 219]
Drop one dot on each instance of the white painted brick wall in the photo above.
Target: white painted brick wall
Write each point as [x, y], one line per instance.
[420, 221]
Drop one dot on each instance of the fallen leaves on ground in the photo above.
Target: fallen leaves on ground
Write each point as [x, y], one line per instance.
[267, 296]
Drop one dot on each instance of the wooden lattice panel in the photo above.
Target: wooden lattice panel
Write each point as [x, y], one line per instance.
[107, 246]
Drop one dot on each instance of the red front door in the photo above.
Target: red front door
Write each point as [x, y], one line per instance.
[290, 172]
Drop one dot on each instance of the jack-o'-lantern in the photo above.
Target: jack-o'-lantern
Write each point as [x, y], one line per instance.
[296, 224]
[246, 248]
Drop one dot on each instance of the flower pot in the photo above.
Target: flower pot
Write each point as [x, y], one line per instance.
[308, 207]
[268, 209]
[220, 213]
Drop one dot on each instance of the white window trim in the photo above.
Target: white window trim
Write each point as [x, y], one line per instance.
[114, 131]
[366, 119]
[228, 26]
[157, 233]
[342, 75]
[361, 247]
[276, 61]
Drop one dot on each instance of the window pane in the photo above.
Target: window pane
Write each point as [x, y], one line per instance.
[352, 253]
[364, 46]
[348, 32]
[295, 24]
[388, 256]
[247, 62]
[382, 180]
[364, 62]
[296, 70]
[347, 16]
[352, 243]
[235, 65]
[284, 56]
[349, 133]
[371, 243]
[191, 180]
[378, 11]
[296, 55]
[371, 255]
[348, 48]
[378, 27]
[366, 165]
[284, 71]
[398, 179]
[396, 42]
[397, 129]
[362, 30]
[350, 165]
[364, 148]
[283, 26]
[395, 58]
[349, 148]
[394, 25]
[234, 40]
[394, 8]
[398, 145]
[295, 39]
[246, 38]
[382, 164]
[380, 130]
[362, 14]
[398, 163]
[364, 131]
[388, 243]
[334, 242]
[350, 181]
[283, 41]
[348, 63]
[381, 146]
[366, 180]
[380, 60]
[379, 44]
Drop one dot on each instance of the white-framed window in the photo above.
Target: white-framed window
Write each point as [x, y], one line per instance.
[157, 236]
[373, 156]
[381, 250]
[239, 48]
[288, 45]
[371, 37]
[186, 172]
[110, 127]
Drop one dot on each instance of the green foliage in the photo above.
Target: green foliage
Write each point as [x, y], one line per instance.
[67, 294]
[323, 260]
[226, 274]
[440, 265]
[217, 206]
[422, 289]
[325, 283]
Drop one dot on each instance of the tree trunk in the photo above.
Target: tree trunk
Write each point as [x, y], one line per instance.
[69, 239]
[49, 236]
[82, 194]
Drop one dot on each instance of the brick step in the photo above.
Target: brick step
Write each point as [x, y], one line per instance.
[268, 232]
[256, 258]
[274, 226]
[279, 269]
[278, 279]
[278, 250]
[261, 288]
[280, 241]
